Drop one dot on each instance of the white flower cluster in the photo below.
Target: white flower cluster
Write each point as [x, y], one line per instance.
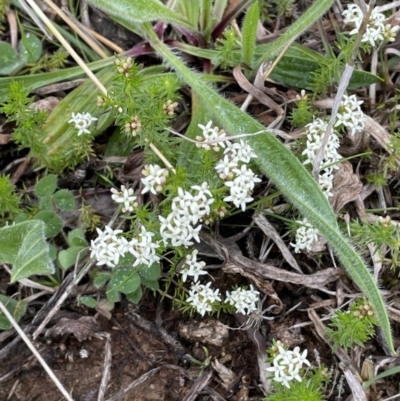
[287, 365]
[212, 137]
[315, 133]
[350, 114]
[240, 179]
[154, 178]
[179, 227]
[192, 267]
[82, 122]
[126, 197]
[376, 30]
[306, 234]
[243, 300]
[201, 297]
[109, 247]
[143, 248]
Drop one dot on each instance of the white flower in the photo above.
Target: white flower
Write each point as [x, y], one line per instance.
[326, 182]
[225, 166]
[106, 248]
[243, 300]
[144, 249]
[212, 137]
[305, 236]
[82, 122]
[240, 151]
[192, 267]
[239, 197]
[350, 114]
[201, 297]
[241, 186]
[375, 32]
[193, 207]
[287, 365]
[389, 32]
[154, 178]
[126, 197]
[177, 230]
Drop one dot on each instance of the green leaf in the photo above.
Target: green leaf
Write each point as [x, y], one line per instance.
[150, 284]
[45, 203]
[298, 66]
[10, 61]
[77, 237]
[32, 82]
[88, 301]
[101, 278]
[136, 296]
[46, 186]
[112, 294]
[134, 11]
[314, 12]
[32, 256]
[64, 200]
[68, 257]
[30, 48]
[152, 272]
[288, 174]
[124, 280]
[52, 252]
[249, 31]
[52, 221]
[16, 308]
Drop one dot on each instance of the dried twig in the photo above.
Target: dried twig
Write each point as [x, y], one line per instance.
[107, 368]
[28, 342]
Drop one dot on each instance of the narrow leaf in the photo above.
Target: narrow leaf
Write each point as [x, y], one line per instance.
[249, 32]
[133, 11]
[305, 21]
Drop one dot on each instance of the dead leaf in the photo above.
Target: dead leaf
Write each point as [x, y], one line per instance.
[81, 328]
[47, 104]
[226, 375]
[346, 186]
[4, 139]
[209, 331]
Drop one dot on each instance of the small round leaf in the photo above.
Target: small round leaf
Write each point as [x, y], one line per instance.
[46, 186]
[52, 221]
[30, 48]
[64, 200]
